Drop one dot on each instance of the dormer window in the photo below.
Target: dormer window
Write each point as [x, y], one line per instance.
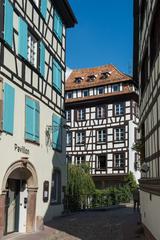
[91, 78]
[78, 79]
[105, 75]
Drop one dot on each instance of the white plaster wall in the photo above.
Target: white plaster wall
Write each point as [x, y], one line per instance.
[150, 212]
[132, 126]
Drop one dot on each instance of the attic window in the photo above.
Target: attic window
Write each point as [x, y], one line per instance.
[105, 75]
[91, 77]
[78, 79]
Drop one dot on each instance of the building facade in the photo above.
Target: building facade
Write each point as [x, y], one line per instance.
[147, 70]
[102, 114]
[32, 73]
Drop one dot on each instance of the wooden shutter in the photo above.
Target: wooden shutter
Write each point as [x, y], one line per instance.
[58, 26]
[23, 38]
[37, 119]
[29, 119]
[42, 59]
[44, 8]
[57, 132]
[32, 119]
[57, 76]
[8, 108]
[8, 23]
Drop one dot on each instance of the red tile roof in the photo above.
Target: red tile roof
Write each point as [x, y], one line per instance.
[114, 76]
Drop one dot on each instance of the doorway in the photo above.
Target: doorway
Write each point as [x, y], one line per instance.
[16, 206]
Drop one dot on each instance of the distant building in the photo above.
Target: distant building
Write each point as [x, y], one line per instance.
[102, 113]
[147, 71]
[32, 73]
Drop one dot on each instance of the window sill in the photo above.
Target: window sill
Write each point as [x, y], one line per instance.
[118, 168]
[119, 141]
[32, 142]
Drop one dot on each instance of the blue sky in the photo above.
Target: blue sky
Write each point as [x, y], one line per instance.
[103, 34]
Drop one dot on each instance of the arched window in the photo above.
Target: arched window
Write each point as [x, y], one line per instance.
[56, 187]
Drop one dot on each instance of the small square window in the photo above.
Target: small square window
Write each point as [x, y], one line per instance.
[85, 93]
[100, 90]
[116, 88]
[119, 109]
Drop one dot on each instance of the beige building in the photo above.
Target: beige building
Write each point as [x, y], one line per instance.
[32, 150]
[147, 71]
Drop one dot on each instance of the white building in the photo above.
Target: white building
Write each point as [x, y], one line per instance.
[32, 73]
[102, 113]
[147, 71]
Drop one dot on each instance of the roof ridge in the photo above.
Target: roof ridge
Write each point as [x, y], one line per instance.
[100, 66]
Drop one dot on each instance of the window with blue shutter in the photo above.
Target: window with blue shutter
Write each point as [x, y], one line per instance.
[8, 108]
[44, 8]
[42, 59]
[23, 38]
[57, 132]
[8, 23]
[57, 76]
[32, 120]
[58, 26]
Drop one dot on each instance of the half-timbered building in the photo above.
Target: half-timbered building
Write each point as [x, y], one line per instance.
[102, 114]
[32, 74]
[147, 71]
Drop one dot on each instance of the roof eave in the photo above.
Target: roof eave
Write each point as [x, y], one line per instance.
[66, 12]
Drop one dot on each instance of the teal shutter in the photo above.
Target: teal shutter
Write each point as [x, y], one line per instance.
[44, 8]
[58, 26]
[32, 120]
[42, 59]
[37, 119]
[8, 109]
[57, 76]
[29, 119]
[57, 132]
[23, 38]
[8, 23]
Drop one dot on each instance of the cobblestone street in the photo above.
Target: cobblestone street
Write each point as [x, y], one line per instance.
[117, 224]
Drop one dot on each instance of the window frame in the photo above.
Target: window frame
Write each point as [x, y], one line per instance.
[119, 139]
[114, 86]
[118, 113]
[69, 133]
[101, 136]
[98, 90]
[103, 114]
[122, 157]
[58, 192]
[32, 40]
[80, 114]
[98, 167]
[82, 137]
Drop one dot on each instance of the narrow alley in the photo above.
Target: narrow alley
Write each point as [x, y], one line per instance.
[115, 224]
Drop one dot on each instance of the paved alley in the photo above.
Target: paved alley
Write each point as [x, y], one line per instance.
[117, 224]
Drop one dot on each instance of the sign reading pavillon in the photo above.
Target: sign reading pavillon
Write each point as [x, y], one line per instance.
[21, 149]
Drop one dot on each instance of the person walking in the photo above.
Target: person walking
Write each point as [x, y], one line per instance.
[136, 199]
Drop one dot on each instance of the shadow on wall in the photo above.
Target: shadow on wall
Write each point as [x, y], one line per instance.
[57, 186]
